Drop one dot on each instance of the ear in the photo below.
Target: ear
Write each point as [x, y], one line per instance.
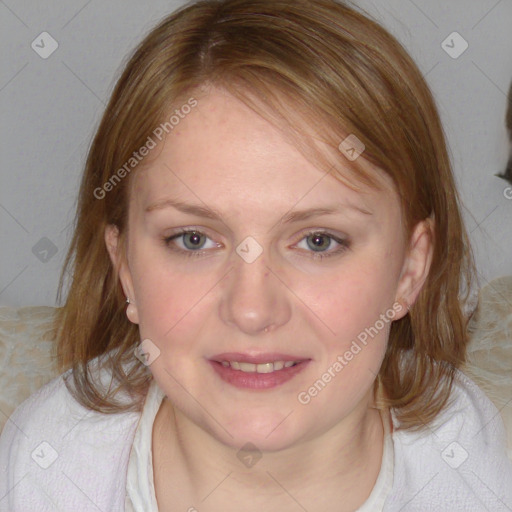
[120, 263]
[416, 265]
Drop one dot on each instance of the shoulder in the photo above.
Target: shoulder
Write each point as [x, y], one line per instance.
[56, 454]
[459, 461]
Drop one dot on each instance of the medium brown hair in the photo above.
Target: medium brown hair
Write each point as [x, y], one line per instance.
[341, 73]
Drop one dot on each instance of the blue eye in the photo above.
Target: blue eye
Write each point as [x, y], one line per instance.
[320, 241]
[193, 243]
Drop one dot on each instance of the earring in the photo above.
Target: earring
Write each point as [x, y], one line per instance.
[131, 311]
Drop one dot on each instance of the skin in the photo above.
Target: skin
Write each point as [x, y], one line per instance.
[325, 454]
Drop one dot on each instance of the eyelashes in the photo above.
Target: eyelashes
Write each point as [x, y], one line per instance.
[194, 253]
[317, 237]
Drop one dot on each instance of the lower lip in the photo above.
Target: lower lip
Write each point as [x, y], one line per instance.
[255, 380]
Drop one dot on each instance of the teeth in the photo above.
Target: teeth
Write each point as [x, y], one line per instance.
[245, 367]
[258, 368]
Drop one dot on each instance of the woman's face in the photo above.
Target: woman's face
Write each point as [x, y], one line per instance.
[257, 261]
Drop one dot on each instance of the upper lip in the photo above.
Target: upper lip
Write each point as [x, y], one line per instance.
[268, 357]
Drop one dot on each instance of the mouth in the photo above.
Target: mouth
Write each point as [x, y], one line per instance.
[262, 371]
[268, 367]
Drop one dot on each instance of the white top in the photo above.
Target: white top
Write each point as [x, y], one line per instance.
[140, 489]
[55, 455]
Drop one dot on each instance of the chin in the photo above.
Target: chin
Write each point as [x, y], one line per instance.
[268, 432]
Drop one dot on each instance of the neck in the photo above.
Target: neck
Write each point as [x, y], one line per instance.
[336, 469]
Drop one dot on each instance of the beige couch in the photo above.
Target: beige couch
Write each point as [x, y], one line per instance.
[27, 359]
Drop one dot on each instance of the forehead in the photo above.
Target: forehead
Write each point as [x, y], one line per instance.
[226, 155]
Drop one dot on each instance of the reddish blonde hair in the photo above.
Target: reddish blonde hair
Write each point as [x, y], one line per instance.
[341, 73]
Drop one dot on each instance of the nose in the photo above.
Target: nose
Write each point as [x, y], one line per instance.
[254, 298]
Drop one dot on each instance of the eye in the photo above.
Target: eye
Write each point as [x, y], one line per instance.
[319, 241]
[192, 242]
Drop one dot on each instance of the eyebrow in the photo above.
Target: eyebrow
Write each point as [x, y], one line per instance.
[292, 216]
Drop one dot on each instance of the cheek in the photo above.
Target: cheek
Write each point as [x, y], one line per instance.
[356, 308]
[165, 303]
[172, 304]
[162, 294]
[351, 300]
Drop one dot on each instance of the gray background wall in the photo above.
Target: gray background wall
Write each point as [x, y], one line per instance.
[51, 106]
